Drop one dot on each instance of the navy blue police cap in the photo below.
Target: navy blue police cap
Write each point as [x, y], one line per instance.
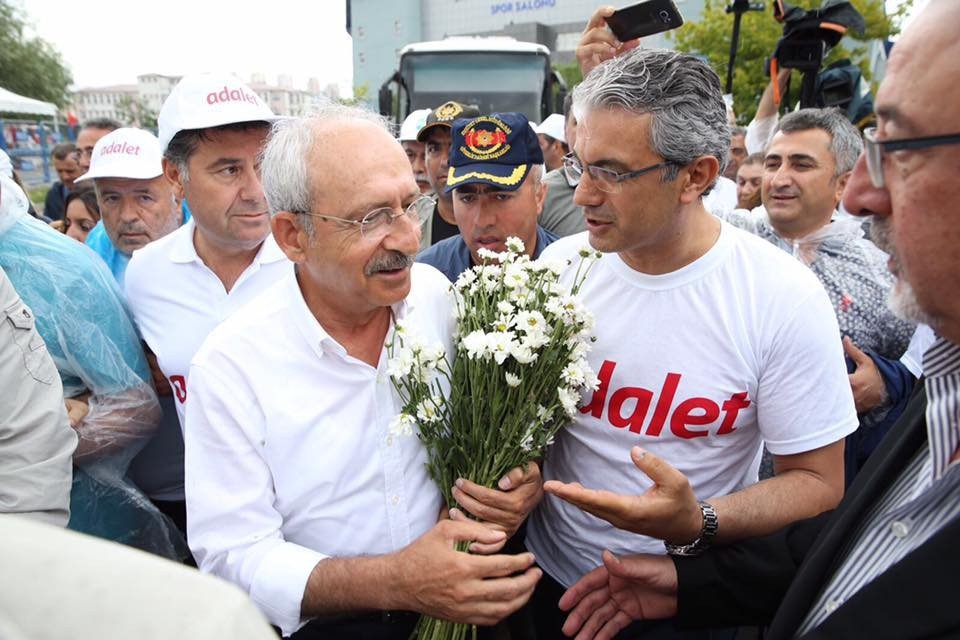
[497, 150]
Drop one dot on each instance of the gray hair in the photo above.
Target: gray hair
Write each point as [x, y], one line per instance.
[846, 143]
[681, 93]
[536, 174]
[284, 171]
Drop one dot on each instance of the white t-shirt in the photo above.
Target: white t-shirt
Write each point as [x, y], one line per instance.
[698, 366]
[723, 196]
[290, 458]
[176, 300]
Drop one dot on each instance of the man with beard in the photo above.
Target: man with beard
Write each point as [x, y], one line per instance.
[298, 489]
[884, 564]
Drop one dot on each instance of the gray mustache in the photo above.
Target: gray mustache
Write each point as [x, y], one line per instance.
[389, 262]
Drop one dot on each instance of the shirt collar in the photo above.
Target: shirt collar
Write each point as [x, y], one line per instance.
[941, 370]
[311, 329]
[184, 250]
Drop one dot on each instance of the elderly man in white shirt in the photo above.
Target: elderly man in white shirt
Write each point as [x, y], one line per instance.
[296, 489]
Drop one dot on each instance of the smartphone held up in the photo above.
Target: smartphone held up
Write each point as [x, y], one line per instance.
[644, 19]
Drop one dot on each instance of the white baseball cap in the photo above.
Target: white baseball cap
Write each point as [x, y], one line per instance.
[552, 126]
[125, 153]
[412, 125]
[204, 100]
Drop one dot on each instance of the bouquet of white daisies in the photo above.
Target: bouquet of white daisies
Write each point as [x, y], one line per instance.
[517, 375]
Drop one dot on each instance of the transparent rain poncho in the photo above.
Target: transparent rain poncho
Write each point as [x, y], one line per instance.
[88, 331]
[854, 273]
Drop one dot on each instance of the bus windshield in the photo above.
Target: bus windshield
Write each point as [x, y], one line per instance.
[493, 81]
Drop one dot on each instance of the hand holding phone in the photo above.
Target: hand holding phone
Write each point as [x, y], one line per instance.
[644, 19]
[598, 44]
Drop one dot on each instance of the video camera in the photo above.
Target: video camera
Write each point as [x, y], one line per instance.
[807, 37]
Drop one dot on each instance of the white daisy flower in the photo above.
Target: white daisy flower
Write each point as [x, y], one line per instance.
[402, 425]
[573, 374]
[501, 345]
[400, 364]
[515, 245]
[568, 400]
[524, 354]
[486, 254]
[475, 343]
[427, 412]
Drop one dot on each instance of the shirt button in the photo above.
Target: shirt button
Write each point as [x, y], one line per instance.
[899, 529]
[395, 500]
[831, 605]
[389, 441]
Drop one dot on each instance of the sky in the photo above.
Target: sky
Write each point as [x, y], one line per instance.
[106, 42]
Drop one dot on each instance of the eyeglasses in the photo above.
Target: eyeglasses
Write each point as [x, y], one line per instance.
[875, 149]
[606, 180]
[376, 223]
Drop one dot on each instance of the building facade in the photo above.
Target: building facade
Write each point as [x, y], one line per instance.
[379, 35]
[152, 89]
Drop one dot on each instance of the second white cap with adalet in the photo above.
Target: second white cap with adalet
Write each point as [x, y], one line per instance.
[204, 100]
[125, 153]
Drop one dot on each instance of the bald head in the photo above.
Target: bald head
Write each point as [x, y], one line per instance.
[915, 90]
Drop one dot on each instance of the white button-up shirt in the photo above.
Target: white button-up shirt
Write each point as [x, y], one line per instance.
[176, 300]
[289, 457]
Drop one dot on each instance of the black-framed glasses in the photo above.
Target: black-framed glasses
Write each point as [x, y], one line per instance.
[376, 223]
[875, 149]
[606, 180]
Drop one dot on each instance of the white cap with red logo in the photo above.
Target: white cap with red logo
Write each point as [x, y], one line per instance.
[204, 100]
[125, 153]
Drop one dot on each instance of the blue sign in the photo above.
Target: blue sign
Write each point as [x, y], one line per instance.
[519, 6]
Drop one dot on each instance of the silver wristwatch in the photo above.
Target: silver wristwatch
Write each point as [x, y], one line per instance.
[707, 532]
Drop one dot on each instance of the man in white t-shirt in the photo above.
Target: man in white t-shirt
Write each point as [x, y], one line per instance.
[182, 286]
[298, 489]
[709, 341]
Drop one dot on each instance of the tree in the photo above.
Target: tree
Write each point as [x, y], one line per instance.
[30, 66]
[134, 111]
[361, 95]
[759, 33]
[570, 73]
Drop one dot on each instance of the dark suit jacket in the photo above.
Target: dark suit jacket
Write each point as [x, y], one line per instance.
[776, 579]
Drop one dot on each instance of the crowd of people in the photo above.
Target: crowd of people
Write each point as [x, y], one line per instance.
[195, 365]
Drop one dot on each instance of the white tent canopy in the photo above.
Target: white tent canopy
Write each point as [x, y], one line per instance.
[13, 103]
